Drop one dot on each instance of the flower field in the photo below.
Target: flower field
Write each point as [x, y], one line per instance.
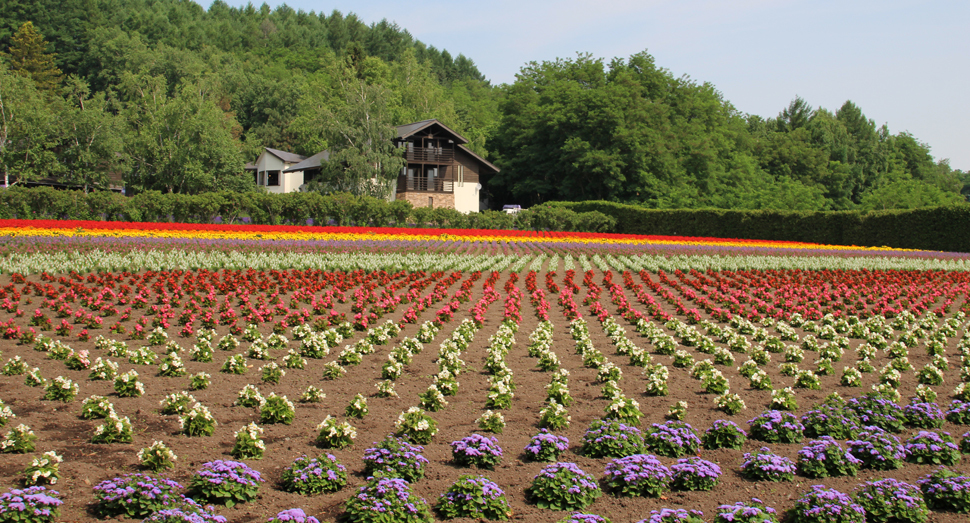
[242, 373]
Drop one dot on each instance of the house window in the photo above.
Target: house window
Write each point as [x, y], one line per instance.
[273, 178]
[430, 202]
[261, 178]
[461, 175]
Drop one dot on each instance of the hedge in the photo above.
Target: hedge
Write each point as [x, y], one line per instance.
[276, 209]
[933, 228]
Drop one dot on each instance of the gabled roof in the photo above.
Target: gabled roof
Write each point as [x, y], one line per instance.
[405, 131]
[285, 156]
[312, 162]
[479, 158]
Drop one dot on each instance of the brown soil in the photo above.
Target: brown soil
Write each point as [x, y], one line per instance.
[59, 427]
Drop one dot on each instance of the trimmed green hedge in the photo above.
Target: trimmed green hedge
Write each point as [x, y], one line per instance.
[935, 228]
[276, 209]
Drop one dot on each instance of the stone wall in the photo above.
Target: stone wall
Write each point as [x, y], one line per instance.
[420, 198]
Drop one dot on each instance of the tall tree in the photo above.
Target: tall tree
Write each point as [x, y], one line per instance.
[358, 129]
[28, 130]
[92, 144]
[29, 58]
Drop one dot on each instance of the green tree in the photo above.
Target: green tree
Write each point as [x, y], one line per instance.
[28, 57]
[28, 130]
[182, 143]
[92, 144]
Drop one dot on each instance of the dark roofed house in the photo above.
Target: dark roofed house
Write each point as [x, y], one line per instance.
[440, 170]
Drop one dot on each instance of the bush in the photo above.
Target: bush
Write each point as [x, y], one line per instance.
[776, 427]
[637, 475]
[764, 465]
[41, 505]
[395, 458]
[947, 490]
[546, 446]
[135, 495]
[724, 434]
[611, 439]
[225, 482]
[695, 474]
[824, 505]
[314, 475]
[387, 500]
[476, 450]
[563, 486]
[474, 497]
[671, 439]
[890, 500]
[824, 457]
[878, 449]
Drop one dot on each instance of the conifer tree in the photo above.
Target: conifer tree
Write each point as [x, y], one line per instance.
[28, 57]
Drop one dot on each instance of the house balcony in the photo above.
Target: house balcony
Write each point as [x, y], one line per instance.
[437, 155]
[425, 184]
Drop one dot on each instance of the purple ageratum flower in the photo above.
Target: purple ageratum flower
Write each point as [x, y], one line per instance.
[136, 495]
[185, 510]
[695, 474]
[825, 457]
[959, 412]
[387, 495]
[754, 511]
[478, 450]
[294, 515]
[563, 486]
[823, 505]
[878, 411]
[611, 438]
[672, 439]
[314, 475]
[923, 415]
[767, 466]
[929, 447]
[670, 515]
[226, 481]
[878, 449]
[579, 517]
[893, 500]
[776, 426]
[474, 496]
[41, 503]
[397, 457]
[829, 420]
[724, 434]
[546, 446]
[947, 490]
[638, 475]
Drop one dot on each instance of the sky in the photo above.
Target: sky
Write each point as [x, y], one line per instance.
[904, 63]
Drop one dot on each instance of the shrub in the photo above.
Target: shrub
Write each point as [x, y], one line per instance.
[40, 504]
[387, 500]
[476, 450]
[932, 448]
[127, 385]
[671, 439]
[474, 497]
[546, 446]
[724, 434]
[225, 482]
[959, 412]
[875, 410]
[415, 425]
[830, 420]
[44, 469]
[611, 439]
[751, 512]
[890, 500]
[176, 403]
[248, 443]
[96, 407]
[670, 515]
[19, 440]
[563, 486]
[357, 407]
[314, 475]
[825, 505]
[333, 434]
[157, 457]
[776, 427]
[878, 449]
[277, 409]
[114, 430]
[554, 416]
[765, 466]
[61, 389]
[198, 421]
[395, 458]
[637, 475]
[824, 457]
[947, 490]
[135, 495]
[695, 474]
[293, 515]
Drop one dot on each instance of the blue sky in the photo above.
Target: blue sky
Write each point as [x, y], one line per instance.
[905, 63]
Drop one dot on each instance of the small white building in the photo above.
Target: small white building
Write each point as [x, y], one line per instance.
[269, 171]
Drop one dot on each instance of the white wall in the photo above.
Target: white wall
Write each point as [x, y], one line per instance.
[289, 182]
[466, 197]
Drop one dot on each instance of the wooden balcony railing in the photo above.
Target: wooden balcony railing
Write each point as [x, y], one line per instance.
[422, 183]
[430, 155]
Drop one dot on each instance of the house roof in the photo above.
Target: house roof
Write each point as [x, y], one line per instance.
[285, 156]
[312, 162]
[485, 162]
[405, 131]
[250, 167]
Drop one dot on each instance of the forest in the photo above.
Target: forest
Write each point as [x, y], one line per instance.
[170, 96]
